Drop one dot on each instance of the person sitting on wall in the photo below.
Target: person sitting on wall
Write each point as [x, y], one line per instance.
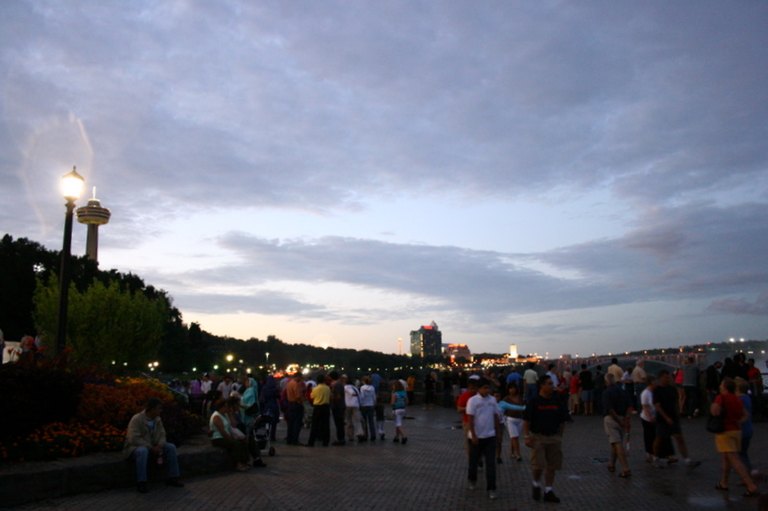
[145, 438]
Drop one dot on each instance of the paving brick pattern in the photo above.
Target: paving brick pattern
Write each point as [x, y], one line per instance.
[430, 473]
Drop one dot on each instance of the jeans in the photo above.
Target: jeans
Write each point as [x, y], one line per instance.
[368, 413]
[531, 391]
[141, 456]
[486, 447]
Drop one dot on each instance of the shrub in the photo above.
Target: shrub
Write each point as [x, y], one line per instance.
[34, 396]
[59, 440]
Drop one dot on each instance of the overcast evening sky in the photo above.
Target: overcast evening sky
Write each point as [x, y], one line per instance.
[570, 177]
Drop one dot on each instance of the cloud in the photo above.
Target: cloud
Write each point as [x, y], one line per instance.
[686, 253]
[730, 306]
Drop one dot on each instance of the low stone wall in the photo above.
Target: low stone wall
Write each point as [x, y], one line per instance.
[28, 482]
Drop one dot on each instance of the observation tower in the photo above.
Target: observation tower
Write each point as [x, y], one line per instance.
[93, 215]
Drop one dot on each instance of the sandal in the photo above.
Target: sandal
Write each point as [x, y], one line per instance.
[611, 468]
[626, 474]
[721, 487]
[753, 493]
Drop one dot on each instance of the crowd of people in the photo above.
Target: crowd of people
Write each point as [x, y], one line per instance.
[525, 403]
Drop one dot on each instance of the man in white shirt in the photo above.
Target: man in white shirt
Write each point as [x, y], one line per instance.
[484, 424]
[352, 412]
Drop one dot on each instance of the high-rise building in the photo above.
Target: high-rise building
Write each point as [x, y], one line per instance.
[427, 341]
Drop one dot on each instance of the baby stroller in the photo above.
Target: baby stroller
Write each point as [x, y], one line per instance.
[260, 426]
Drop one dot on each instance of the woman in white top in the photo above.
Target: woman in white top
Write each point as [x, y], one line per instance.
[222, 435]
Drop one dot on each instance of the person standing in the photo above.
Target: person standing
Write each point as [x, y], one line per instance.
[145, 438]
[712, 381]
[461, 407]
[512, 406]
[530, 376]
[294, 392]
[668, 420]
[338, 406]
[321, 413]
[615, 369]
[599, 388]
[615, 419]
[691, 388]
[638, 379]
[399, 400]
[411, 388]
[747, 428]
[484, 425]
[648, 419]
[368, 408]
[270, 398]
[352, 411]
[587, 390]
[543, 425]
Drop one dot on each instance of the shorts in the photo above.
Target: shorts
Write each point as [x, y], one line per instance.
[514, 426]
[573, 400]
[728, 441]
[547, 452]
[664, 430]
[399, 414]
[613, 430]
[587, 396]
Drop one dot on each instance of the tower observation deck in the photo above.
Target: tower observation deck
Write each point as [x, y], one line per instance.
[93, 215]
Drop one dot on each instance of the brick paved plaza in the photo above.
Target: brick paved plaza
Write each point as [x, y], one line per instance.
[429, 473]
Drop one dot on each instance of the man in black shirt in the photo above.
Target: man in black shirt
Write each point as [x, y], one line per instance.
[668, 419]
[543, 424]
[587, 390]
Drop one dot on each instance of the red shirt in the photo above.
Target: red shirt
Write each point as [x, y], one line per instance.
[733, 410]
[462, 401]
[575, 384]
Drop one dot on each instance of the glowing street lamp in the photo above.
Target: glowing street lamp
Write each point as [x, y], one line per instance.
[71, 188]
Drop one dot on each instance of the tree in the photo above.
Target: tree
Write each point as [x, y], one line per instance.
[21, 263]
[106, 323]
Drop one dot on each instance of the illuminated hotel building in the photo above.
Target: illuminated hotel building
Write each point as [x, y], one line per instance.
[427, 341]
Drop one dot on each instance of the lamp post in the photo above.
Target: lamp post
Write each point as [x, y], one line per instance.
[71, 187]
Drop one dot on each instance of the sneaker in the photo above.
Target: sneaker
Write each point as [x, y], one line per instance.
[537, 493]
[657, 464]
[551, 497]
[492, 495]
[472, 485]
[142, 487]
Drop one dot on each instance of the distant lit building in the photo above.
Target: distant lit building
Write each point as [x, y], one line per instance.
[427, 341]
[512, 351]
[456, 351]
